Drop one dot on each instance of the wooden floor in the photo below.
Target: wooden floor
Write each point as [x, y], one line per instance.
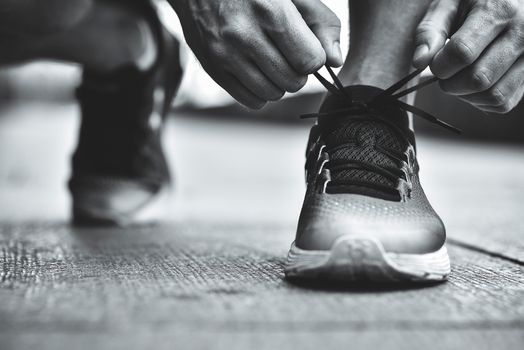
[211, 274]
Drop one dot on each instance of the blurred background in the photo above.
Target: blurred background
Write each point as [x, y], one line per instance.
[218, 148]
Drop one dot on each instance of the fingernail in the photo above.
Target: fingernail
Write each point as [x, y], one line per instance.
[337, 53]
[420, 52]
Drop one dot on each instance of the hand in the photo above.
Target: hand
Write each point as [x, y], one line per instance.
[259, 49]
[483, 62]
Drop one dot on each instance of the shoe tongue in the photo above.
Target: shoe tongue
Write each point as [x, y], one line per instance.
[355, 139]
[359, 93]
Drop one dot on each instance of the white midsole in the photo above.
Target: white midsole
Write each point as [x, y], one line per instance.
[434, 265]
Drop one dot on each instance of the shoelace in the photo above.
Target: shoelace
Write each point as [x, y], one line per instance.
[365, 111]
[387, 96]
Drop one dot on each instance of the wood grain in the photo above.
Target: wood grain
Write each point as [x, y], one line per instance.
[119, 284]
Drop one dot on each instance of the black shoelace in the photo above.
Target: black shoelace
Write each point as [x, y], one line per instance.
[367, 111]
[387, 96]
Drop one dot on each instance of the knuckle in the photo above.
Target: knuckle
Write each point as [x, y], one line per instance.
[427, 28]
[250, 101]
[497, 97]
[506, 108]
[265, 9]
[518, 36]
[461, 51]
[505, 9]
[311, 64]
[257, 105]
[438, 70]
[321, 16]
[297, 84]
[264, 90]
[217, 49]
[502, 109]
[481, 80]
[277, 95]
[335, 21]
[234, 32]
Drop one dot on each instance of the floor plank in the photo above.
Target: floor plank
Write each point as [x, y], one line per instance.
[201, 340]
[226, 279]
[83, 274]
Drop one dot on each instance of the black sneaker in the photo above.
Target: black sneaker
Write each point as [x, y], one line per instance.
[120, 174]
[365, 215]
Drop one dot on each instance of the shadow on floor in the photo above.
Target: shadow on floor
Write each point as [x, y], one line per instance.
[361, 287]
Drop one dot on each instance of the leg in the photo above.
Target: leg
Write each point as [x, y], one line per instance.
[119, 173]
[70, 30]
[381, 41]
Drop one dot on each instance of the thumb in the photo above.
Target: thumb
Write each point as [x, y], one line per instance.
[433, 31]
[326, 27]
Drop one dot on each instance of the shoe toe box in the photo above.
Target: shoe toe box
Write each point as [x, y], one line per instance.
[410, 227]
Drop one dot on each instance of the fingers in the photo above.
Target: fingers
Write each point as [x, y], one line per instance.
[295, 40]
[477, 32]
[247, 83]
[256, 81]
[433, 31]
[326, 27]
[276, 68]
[257, 49]
[482, 62]
[503, 96]
[487, 70]
[262, 70]
[239, 91]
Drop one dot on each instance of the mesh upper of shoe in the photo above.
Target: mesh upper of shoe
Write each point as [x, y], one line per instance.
[366, 147]
[356, 141]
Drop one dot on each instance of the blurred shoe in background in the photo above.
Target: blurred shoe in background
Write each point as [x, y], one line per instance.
[120, 174]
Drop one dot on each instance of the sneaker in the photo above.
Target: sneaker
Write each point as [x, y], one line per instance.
[119, 172]
[365, 215]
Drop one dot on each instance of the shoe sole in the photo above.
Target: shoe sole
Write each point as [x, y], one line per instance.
[149, 212]
[364, 259]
